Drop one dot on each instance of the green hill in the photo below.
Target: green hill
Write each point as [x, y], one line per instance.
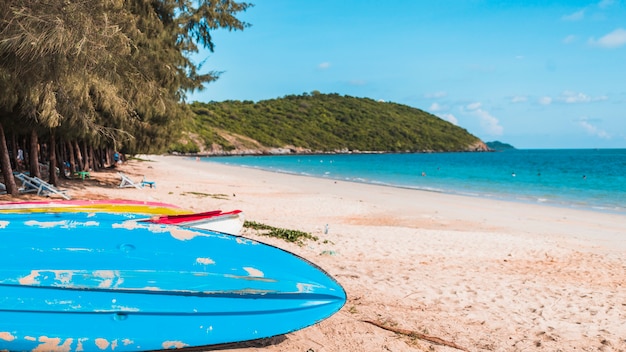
[499, 146]
[319, 123]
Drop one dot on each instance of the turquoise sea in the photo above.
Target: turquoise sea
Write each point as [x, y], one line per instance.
[593, 179]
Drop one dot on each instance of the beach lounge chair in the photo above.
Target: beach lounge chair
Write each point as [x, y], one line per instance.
[28, 184]
[127, 182]
[43, 188]
[48, 188]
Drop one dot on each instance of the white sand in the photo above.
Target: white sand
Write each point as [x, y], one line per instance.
[486, 275]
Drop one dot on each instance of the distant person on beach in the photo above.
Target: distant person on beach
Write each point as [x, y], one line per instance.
[20, 158]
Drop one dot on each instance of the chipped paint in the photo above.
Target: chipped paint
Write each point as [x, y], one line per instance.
[205, 261]
[102, 344]
[250, 278]
[183, 234]
[79, 345]
[30, 280]
[173, 344]
[49, 344]
[64, 277]
[305, 288]
[6, 336]
[127, 225]
[110, 278]
[254, 272]
[4, 224]
[247, 241]
[66, 224]
[45, 224]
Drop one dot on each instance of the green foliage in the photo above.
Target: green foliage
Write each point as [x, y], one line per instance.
[329, 123]
[112, 69]
[294, 236]
[499, 146]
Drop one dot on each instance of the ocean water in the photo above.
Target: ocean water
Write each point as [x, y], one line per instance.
[592, 179]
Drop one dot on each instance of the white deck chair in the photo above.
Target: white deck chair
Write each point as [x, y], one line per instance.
[28, 184]
[127, 182]
[45, 187]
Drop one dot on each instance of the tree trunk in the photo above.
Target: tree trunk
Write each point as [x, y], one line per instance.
[79, 157]
[107, 154]
[96, 160]
[33, 154]
[86, 161]
[52, 155]
[14, 148]
[61, 157]
[72, 159]
[5, 163]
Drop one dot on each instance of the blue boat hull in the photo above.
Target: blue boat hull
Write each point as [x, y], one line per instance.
[78, 281]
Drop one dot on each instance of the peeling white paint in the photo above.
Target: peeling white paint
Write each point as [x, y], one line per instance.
[304, 288]
[173, 344]
[254, 272]
[102, 344]
[110, 278]
[125, 308]
[7, 336]
[79, 346]
[183, 234]
[64, 277]
[247, 241]
[205, 261]
[66, 224]
[49, 344]
[30, 280]
[45, 224]
[4, 224]
[127, 225]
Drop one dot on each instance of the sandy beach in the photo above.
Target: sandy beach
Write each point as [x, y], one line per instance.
[485, 275]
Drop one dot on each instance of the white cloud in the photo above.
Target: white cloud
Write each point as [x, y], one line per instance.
[450, 118]
[519, 99]
[489, 122]
[474, 106]
[576, 16]
[573, 97]
[545, 100]
[614, 39]
[435, 95]
[593, 130]
[569, 39]
[570, 97]
[435, 107]
[324, 65]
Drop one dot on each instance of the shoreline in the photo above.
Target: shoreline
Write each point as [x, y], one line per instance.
[564, 203]
[485, 274]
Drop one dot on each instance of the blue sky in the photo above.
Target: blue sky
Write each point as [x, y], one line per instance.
[536, 74]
